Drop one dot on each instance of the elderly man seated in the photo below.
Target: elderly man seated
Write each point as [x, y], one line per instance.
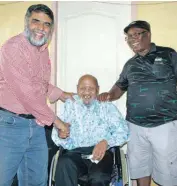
[94, 128]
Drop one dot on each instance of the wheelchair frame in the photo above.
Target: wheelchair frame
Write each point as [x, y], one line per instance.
[123, 158]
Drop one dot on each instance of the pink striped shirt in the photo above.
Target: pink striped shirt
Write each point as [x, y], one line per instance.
[24, 80]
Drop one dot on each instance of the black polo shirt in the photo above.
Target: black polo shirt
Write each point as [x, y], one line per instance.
[150, 82]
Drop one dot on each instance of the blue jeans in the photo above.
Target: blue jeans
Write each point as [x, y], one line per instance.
[23, 150]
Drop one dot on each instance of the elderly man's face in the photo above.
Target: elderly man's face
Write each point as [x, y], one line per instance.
[87, 89]
[138, 39]
[38, 29]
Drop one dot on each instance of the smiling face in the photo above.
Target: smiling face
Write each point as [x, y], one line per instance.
[87, 88]
[138, 40]
[38, 28]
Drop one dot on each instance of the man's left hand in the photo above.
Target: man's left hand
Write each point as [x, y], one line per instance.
[67, 95]
[99, 150]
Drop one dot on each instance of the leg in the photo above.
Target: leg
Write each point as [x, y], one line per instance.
[139, 155]
[165, 154]
[13, 143]
[100, 174]
[144, 181]
[33, 168]
[70, 166]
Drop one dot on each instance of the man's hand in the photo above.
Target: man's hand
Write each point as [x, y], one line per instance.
[67, 95]
[99, 150]
[62, 127]
[105, 96]
[62, 133]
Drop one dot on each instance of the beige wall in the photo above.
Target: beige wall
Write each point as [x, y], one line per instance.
[12, 18]
[163, 19]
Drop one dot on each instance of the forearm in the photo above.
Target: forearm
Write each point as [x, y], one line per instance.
[115, 93]
[117, 127]
[57, 122]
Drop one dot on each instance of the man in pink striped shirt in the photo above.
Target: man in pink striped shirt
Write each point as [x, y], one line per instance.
[24, 87]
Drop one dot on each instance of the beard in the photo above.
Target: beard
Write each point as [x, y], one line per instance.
[31, 36]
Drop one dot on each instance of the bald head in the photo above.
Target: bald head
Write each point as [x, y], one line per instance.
[90, 78]
[87, 88]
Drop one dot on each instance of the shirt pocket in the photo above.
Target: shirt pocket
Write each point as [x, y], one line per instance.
[162, 70]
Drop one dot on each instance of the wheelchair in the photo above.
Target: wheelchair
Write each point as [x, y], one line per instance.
[119, 172]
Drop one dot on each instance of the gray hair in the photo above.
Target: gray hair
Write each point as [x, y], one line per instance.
[39, 8]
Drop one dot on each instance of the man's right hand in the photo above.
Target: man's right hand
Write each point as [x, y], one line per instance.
[105, 96]
[62, 133]
[63, 128]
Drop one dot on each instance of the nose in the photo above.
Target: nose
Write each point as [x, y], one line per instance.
[41, 26]
[133, 39]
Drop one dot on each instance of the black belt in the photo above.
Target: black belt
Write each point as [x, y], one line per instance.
[27, 116]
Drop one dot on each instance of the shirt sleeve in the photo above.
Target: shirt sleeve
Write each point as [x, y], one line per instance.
[118, 132]
[16, 72]
[122, 82]
[174, 62]
[53, 93]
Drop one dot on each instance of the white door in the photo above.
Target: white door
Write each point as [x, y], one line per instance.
[91, 41]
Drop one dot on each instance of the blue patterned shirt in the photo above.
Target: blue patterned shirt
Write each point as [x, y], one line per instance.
[91, 124]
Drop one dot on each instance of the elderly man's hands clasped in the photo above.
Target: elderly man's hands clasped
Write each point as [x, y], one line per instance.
[63, 128]
[64, 133]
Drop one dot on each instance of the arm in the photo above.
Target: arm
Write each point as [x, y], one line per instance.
[115, 93]
[118, 89]
[53, 93]
[66, 116]
[118, 131]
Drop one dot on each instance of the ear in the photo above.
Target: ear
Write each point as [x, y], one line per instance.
[149, 35]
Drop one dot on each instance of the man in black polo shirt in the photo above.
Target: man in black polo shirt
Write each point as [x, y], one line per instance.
[150, 81]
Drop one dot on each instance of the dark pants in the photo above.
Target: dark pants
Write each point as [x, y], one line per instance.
[71, 166]
[52, 148]
[15, 181]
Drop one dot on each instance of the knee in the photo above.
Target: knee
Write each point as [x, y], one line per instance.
[99, 178]
[64, 162]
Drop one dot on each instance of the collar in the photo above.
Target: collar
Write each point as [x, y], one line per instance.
[152, 49]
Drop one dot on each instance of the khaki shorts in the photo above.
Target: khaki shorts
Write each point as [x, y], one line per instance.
[153, 151]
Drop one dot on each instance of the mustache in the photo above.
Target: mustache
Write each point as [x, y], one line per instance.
[40, 32]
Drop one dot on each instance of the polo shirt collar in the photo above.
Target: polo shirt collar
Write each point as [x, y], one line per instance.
[152, 49]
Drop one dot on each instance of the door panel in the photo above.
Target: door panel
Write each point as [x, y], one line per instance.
[91, 41]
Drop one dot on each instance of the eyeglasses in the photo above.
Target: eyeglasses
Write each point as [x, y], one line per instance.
[136, 35]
